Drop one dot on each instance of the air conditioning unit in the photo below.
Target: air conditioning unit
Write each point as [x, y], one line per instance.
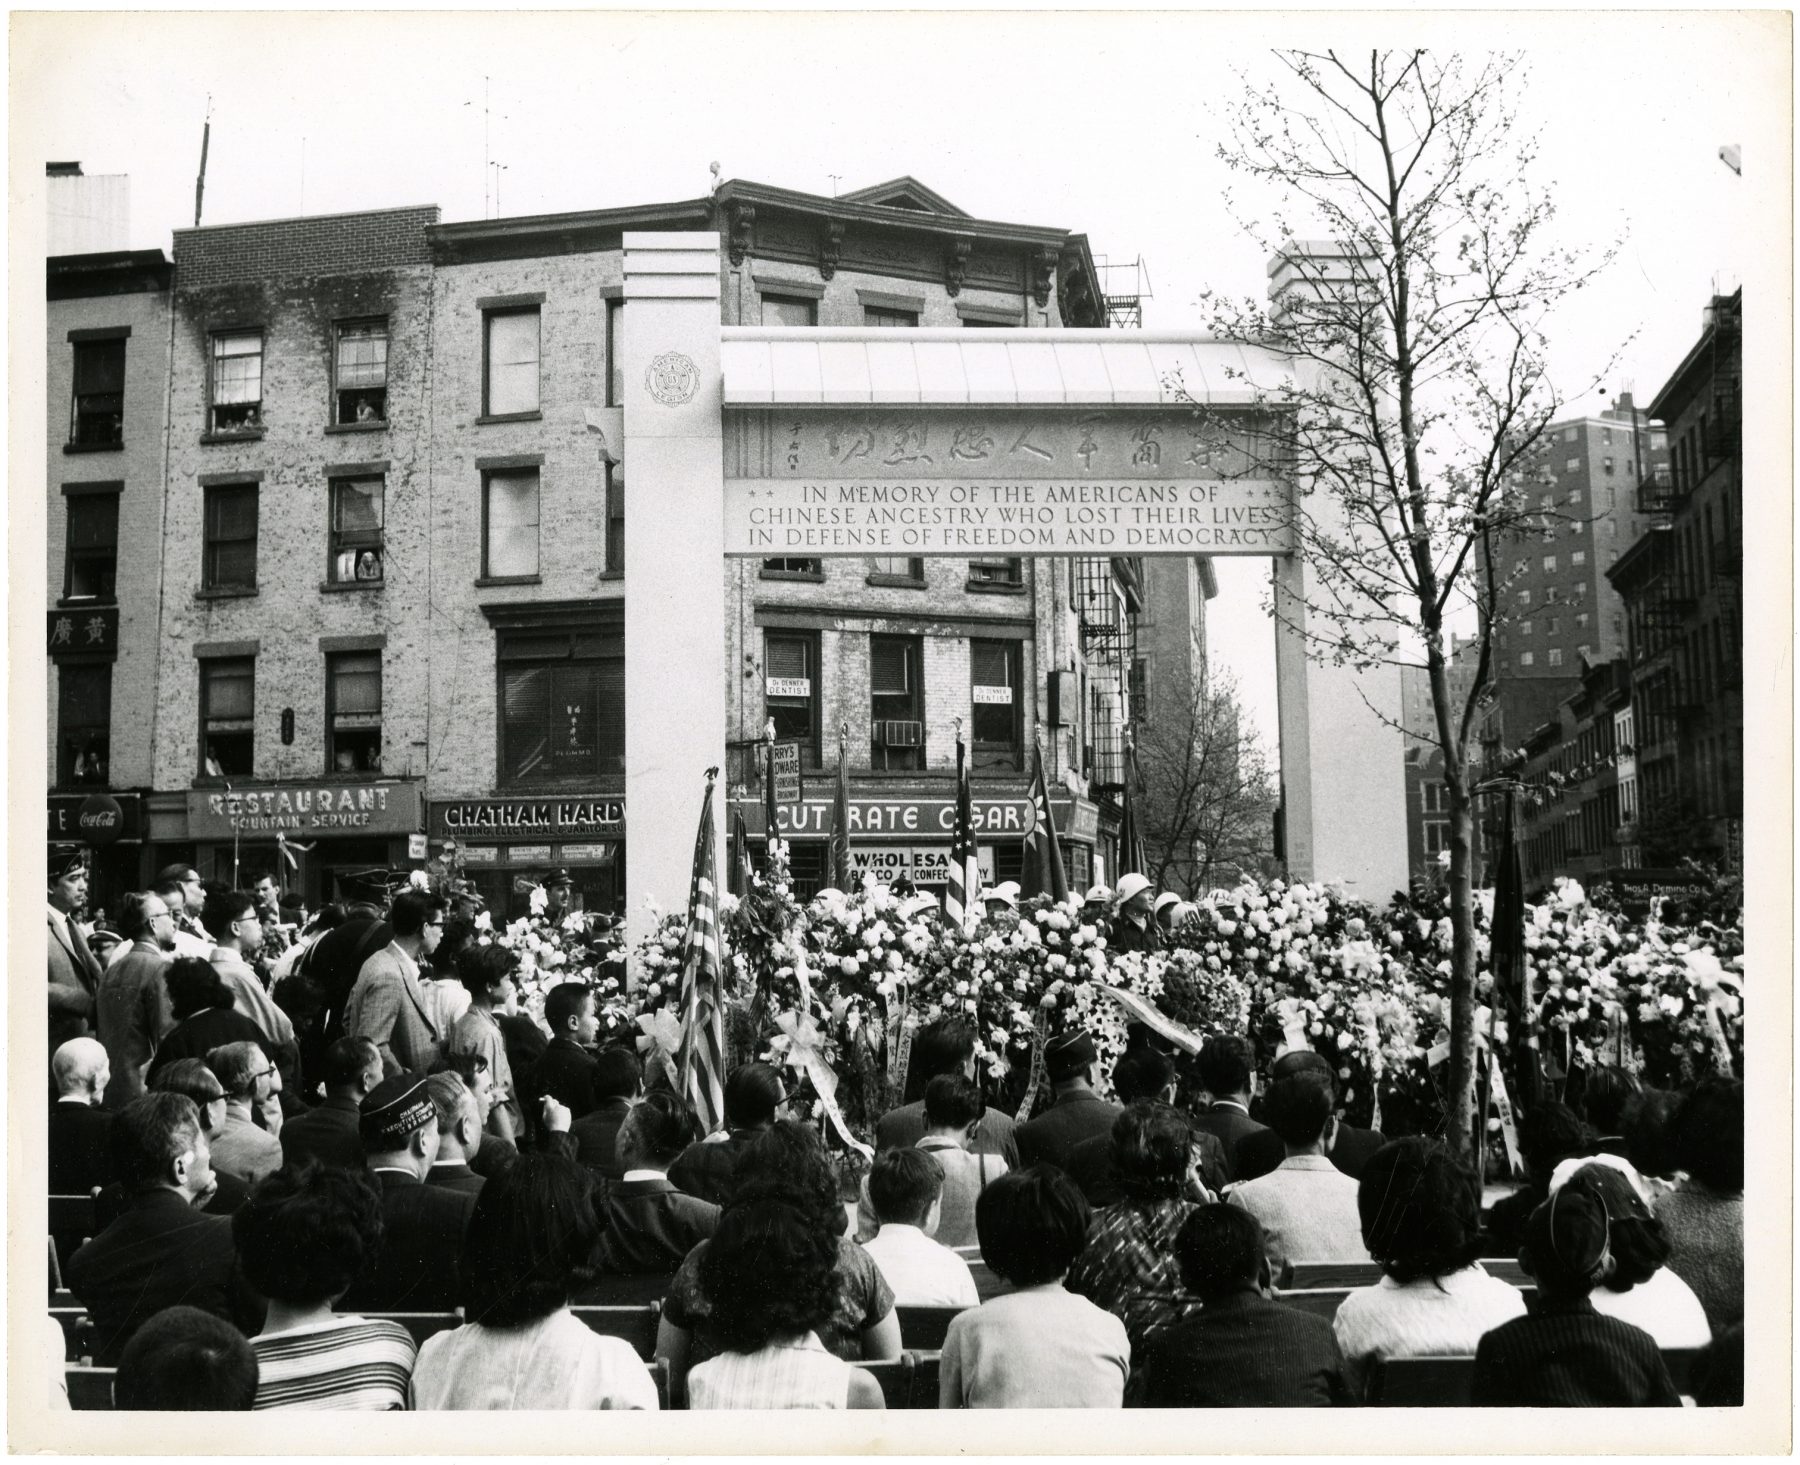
[894, 734]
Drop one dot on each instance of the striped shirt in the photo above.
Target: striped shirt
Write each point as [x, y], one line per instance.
[797, 1373]
[1567, 1356]
[347, 1363]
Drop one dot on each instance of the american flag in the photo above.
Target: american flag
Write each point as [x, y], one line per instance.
[965, 874]
[702, 1010]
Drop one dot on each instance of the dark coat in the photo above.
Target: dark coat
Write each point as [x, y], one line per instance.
[327, 1133]
[708, 1168]
[421, 1244]
[649, 1227]
[1244, 1352]
[1228, 1124]
[79, 1160]
[902, 1128]
[196, 1036]
[1127, 935]
[131, 1014]
[1076, 1115]
[1090, 1166]
[455, 1177]
[1259, 1154]
[566, 1073]
[597, 1138]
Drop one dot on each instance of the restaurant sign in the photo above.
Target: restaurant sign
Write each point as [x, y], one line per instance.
[381, 807]
[488, 820]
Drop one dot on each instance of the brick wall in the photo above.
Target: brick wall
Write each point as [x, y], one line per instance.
[233, 254]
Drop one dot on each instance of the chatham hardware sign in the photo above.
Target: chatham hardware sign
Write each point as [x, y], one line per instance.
[309, 808]
[488, 820]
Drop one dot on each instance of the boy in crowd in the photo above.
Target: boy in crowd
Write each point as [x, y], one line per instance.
[903, 1189]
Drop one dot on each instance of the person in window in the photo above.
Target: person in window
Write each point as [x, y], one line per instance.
[368, 565]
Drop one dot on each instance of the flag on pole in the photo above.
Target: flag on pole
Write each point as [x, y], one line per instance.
[1511, 982]
[739, 878]
[702, 966]
[772, 828]
[960, 895]
[840, 821]
[1044, 873]
[1131, 837]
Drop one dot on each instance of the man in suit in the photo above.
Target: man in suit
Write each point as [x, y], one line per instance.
[648, 1226]
[1346, 1146]
[1078, 1113]
[422, 1225]
[387, 1005]
[458, 1134]
[162, 1250]
[753, 1101]
[239, 1146]
[74, 969]
[328, 1132]
[944, 1046]
[79, 1158]
[566, 1071]
[1141, 1074]
[1228, 1069]
[618, 1080]
[132, 1008]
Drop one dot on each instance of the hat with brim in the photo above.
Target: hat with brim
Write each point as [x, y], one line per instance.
[64, 860]
[1130, 887]
[1068, 1054]
[1098, 895]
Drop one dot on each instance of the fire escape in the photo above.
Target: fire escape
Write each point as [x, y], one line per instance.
[1108, 596]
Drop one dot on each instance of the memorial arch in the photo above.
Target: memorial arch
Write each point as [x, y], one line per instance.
[818, 442]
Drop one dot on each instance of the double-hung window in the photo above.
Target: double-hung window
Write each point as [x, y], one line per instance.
[996, 571]
[98, 419]
[353, 712]
[996, 707]
[896, 702]
[360, 371]
[228, 717]
[510, 361]
[358, 512]
[237, 388]
[509, 521]
[92, 555]
[83, 723]
[229, 554]
[791, 689]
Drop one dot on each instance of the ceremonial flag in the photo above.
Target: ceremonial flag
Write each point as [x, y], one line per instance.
[840, 822]
[740, 856]
[773, 829]
[1044, 873]
[960, 896]
[1131, 838]
[702, 966]
[1511, 983]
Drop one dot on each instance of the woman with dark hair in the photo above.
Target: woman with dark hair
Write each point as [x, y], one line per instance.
[770, 1275]
[1039, 1346]
[302, 1238]
[787, 1159]
[1606, 1090]
[526, 1253]
[1639, 1288]
[1421, 1219]
[1128, 1265]
[1648, 1125]
[200, 1001]
[486, 976]
[1704, 1214]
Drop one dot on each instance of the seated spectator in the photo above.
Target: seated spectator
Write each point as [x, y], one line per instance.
[186, 1359]
[1648, 1123]
[1718, 1373]
[1307, 1206]
[328, 1131]
[162, 1250]
[458, 1132]
[240, 1148]
[1606, 1091]
[1228, 1072]
[789, 1157]
[618, 1080]
[771, 1275]
[494, 1154]
[201, 1004]
[945, 1046]
[1421, 1219]
[1141, 1074]
[1039, 1346]
[953, 1118]
[1128, 1265]
[486, 974]
[79, 1163]
[708, 1167]
[648, 1226]
[1704, 1214]
[1639, 1289]
[566, 1071]
[1240, 1351]
[303, 1237]
[193, 1078]
[1078, 1112]
[422, 1225]
[527, 1251]
[1548, 1135]
[1563, 1354]
[904, 1186]
[1344, 1145]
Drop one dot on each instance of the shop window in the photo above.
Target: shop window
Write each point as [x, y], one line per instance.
[353, 712]
[99, 408]
[229, 556]
[562, 704]
[789, 310]
[92, 554]
[83, 724]
[509, 377]
[228, 717]
[791, 689]
[509, 524]
[358, 507]
[360, 371]
[237, 369]
[896, 702]
[1007, 573]
[996, 712]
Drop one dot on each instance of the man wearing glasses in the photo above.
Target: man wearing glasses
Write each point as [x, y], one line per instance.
[387, 1005]
[250, 1079]
[232, 915]
[133, 1007]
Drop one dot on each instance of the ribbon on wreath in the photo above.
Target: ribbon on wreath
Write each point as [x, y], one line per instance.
[1721, 996]
[1138, 1010]
[1372, 1037]
[1040, 1035]
[660, 1041]
[904, 1026]
[1293, 1025]
[1498, 1096]
[285, 847]
[798, 1043]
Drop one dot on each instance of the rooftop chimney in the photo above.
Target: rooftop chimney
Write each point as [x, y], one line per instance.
[62, 170]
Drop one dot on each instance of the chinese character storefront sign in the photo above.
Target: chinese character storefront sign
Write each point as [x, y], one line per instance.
[77, 632]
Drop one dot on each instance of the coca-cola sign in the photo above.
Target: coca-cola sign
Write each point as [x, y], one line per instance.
[96, 819]
[100, 819]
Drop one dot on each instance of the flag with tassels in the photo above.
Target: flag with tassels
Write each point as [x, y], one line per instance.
[738, 881]
[1044, 872]
[961, 902]
[840, 819]
[1131, 835]
[702, 973]
[771, 825]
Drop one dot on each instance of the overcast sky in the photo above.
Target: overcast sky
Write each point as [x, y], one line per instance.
[1102, 124]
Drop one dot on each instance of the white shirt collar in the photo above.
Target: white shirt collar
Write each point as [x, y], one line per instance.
[631, 1175]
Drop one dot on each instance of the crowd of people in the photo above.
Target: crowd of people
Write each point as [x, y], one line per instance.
[293, 1145]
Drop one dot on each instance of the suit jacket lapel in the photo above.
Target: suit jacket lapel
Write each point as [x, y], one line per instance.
[411, 983]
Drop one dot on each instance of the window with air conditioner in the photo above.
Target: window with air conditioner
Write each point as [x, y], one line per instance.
[896, 703]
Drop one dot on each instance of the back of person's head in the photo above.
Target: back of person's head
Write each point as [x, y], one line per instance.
[176, 875]
[564, 1001]
[77, 1064]
[943, 1046]
[952, 1102]
[656, 1130]
[348, 1062]
[237, 1065]
[1420, 1209]
[529, 1243]
[1709, 1134]
[904, 1185]
[1564, 1245]
[458, 932]
[307, 1232]
[224, 909]
[1548, 1134]
[1032, 1224]
[1150, 1151]
[1226, 1063]
[481, 968]
[467, 1066]
[300, 997]
[1297, 1108]
[1638, 1242]
[193, 1078]
[328, 917]
[194, 986]
[1220, 1251]
[149, 1135]
[1604, 1094]
[413, 910]
[1142, 1073]
[1304, 1060]
[753, 1093]
[133, 915]
[454, 1104]
[364, 910]
[1069, 1057]
[617, 1073]
[183, 1358]
[790, 1156]
[769, 1271]
[1648, 1129]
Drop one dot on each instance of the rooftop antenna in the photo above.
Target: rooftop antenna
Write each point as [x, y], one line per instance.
[200, 177]
[498, 168]
[835, 178]
[487, 164]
